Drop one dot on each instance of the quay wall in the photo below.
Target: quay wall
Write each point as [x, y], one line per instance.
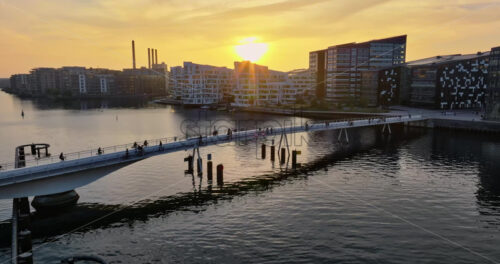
[453, 124]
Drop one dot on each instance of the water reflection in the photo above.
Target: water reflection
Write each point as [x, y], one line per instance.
[95, 216]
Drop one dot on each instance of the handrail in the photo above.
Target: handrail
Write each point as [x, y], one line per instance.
[154, 142]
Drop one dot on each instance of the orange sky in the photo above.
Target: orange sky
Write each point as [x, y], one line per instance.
[97, 33]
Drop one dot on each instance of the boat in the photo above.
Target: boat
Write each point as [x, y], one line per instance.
[167, 101]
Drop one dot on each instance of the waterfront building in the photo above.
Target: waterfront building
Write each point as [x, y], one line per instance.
[74, 81]
[99, 82]
[142, 81]
[442, 82]
[256, 85]
[71, 81]
[493, 101]
[250, 84]
[389, 86]
[343, 66]
[19, 84]
[197, 84]
[317, 65]
[368, 94]
[43, 81]
[5, 83]
[270, 92]
[299, 87]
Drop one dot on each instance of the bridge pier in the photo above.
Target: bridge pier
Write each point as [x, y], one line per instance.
[272, 152]
[209, 167]
[283, 154]
[294, 159]
[346, 136]
[388, 126]
[21, 231]
[55, 202]
[189, 160]
[220, 174]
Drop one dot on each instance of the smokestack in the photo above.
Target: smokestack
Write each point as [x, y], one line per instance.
[156, 56]
[149, 58]
[133, 54]
[152, 57]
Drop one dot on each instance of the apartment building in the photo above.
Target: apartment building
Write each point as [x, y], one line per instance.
[197, 84]
[43, 81]
[299, 87]
[493, 100]
[250, 84]
[19, 83]
[88, 82]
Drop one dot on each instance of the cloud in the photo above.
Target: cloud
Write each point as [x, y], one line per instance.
[94, 32]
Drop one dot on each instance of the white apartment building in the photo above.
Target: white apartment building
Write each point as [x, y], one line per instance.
[250, 84]
[197, 84]
[256, 85]
[299, 85]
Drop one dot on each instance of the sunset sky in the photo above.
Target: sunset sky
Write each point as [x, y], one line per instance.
[96, 33]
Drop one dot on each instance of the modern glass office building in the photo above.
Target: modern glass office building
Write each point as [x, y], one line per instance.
[344, 64]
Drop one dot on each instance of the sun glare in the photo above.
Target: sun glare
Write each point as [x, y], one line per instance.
[250, 49]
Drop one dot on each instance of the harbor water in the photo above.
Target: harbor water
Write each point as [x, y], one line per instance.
[415, 196]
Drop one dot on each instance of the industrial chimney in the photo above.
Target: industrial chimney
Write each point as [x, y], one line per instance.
[149, 58]
[133, 54]
[152, 57]
[156, 56]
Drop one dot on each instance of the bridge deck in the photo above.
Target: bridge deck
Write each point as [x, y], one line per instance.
[57, 168]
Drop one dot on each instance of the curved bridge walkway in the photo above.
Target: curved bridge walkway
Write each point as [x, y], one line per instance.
[82, 161]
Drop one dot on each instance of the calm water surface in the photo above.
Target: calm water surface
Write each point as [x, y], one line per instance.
[418, 196]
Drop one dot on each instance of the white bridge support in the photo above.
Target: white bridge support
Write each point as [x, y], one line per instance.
[388, 126]
[60, 176]
[345, 133]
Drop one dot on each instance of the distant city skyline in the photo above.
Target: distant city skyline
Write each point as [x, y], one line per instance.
[98, 33]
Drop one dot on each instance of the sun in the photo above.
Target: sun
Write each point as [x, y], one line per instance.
[251, 50]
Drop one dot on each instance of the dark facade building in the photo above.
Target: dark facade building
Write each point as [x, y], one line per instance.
[5, 83]
[493, 100]
[43, 81]
[345, 63]
[19, 84]
[441, 82]
[69, 81]
[369, 88]
[142, 81]
[317, 63]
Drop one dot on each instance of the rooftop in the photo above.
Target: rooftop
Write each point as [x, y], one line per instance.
[396, 39]
[440, 59]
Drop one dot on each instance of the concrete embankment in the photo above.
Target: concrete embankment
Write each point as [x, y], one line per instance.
[457, 124]
[311, 113]
[433, 122]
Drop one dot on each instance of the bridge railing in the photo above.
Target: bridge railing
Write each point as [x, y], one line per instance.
[87, 153]
[315, 124]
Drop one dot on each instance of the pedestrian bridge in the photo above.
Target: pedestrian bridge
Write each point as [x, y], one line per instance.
[51, 175]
